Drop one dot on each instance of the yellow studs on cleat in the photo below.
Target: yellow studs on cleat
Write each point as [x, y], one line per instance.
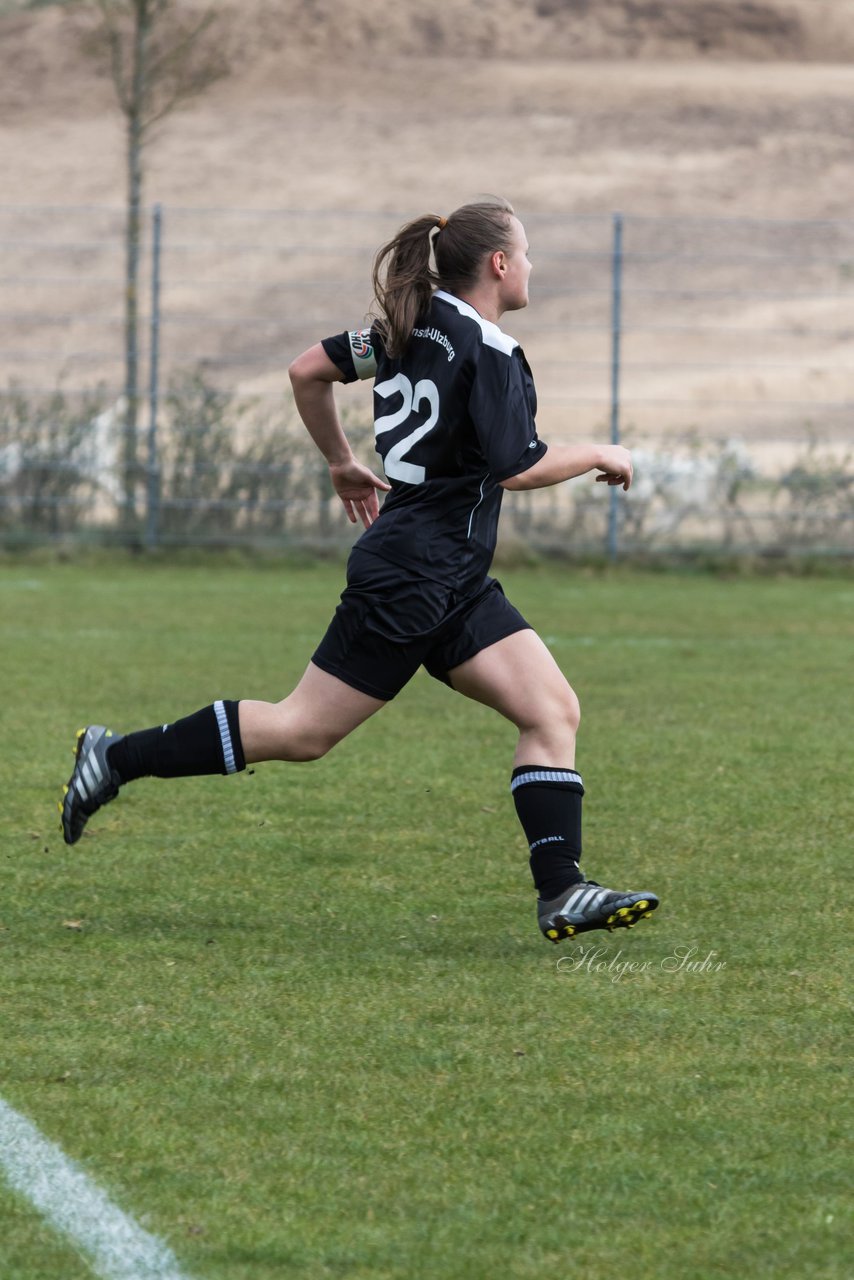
[625, 917]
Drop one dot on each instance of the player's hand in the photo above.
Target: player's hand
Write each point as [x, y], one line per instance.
[357, 487]
[615, 465]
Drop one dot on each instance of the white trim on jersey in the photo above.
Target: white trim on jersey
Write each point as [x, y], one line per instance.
[492, 335]
[477, 504]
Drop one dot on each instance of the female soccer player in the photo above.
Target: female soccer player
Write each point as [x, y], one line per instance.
[454, 406]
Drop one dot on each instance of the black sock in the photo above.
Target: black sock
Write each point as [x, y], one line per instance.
[206, 742]
[548, 802]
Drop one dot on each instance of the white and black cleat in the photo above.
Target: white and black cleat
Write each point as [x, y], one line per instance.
[92, 784]
[587, 906]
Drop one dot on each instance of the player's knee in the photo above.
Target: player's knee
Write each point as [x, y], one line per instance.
[554, 711]
[299, 741]
[555, 719]
[571, 709]
[309, 746]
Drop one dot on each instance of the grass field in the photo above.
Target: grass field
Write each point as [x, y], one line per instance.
[300, 1023]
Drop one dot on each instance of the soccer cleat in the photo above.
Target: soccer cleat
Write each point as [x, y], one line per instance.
[589, 906]
[92, 784]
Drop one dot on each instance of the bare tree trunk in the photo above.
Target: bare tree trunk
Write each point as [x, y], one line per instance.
[158, 58]
[133, 240]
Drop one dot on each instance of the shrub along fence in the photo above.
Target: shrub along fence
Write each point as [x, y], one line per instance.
[717, 349]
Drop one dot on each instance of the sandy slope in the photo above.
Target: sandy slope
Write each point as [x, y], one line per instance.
[328, 106]
[735, 107]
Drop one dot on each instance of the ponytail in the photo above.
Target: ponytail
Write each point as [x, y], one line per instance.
[404, 276]
[404, 281]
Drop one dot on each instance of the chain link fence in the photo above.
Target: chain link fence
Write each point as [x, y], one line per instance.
[719, 350]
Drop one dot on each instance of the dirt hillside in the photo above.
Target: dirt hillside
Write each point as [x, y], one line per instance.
[735, 106]
[694, 107]
[764, 30]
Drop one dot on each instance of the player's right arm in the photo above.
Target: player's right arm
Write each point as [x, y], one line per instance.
[313, 376]
[566, 461]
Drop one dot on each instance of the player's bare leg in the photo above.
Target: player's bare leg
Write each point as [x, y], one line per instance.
[319, 712]
[519, 678]
[221, 738]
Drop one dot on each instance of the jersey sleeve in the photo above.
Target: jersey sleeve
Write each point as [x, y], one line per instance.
[502, 407]
[353, 353]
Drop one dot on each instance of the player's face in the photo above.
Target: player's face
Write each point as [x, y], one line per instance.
[517, 269]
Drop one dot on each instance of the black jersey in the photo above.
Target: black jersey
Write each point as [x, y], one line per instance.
[453, 416]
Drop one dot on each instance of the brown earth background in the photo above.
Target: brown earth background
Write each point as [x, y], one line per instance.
[693, 109]
[692, 106]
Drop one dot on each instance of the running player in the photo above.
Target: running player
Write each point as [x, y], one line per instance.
[454, 406]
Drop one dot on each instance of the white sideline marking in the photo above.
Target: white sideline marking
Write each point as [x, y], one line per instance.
[119, 1249]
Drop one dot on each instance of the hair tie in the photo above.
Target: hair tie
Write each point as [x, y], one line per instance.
[443, 222]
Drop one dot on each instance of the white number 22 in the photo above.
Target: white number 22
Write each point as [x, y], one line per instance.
[413, 398]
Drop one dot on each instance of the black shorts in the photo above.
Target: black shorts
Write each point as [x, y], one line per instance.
[389, 623]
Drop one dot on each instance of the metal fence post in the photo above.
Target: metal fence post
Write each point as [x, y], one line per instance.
[616, 330]
[153, 468]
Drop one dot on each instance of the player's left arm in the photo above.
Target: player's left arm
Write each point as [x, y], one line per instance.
[566, 461]
[503, 405]
[313, 376]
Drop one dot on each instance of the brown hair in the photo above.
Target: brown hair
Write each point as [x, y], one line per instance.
[404, 278]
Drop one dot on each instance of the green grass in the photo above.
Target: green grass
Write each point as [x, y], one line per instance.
[307, 1027]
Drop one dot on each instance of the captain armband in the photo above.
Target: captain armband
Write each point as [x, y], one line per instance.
[362, 351]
